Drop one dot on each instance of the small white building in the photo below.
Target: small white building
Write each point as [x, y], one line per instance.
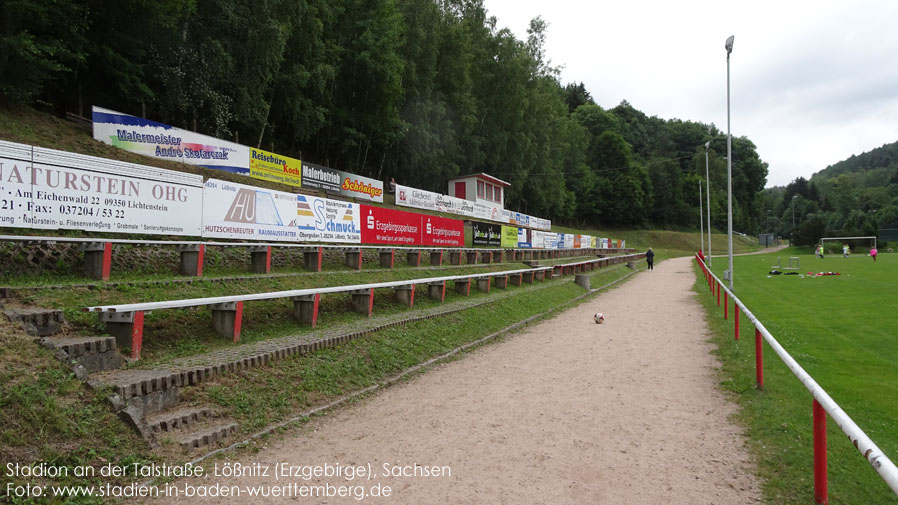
[480, 187]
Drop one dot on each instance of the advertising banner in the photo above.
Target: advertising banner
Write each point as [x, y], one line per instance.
[319, 177]
[60, 190]
[544, 240]
[232, 210]
[594, 242]
[487, 234]
[442, 231]
[166, 142]
[274, 167]
[356, 186]
[387, 226]
[524, 238]
[509, 237]
[341, 183]
[576, 241]
[417, 198]
[568, 241]
[540, 223]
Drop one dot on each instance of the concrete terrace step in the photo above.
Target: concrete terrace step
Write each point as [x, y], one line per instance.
[135, 383]
[177, 419]
[207, 435]
[36, 321]
[95, 354]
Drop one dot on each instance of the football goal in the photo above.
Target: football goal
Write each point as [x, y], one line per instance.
[858, 245]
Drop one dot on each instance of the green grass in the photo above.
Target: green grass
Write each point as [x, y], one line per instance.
[841, 330]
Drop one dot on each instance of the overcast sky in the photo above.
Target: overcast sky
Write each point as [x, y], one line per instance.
[811, 83]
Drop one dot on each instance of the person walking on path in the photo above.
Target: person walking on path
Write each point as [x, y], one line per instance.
[650, 258]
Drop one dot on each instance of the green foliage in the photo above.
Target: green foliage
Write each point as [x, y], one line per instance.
[416, 90]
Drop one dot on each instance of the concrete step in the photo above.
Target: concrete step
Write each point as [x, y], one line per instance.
[36, 321]
[207, 434]
[177, 418]
[95, 354]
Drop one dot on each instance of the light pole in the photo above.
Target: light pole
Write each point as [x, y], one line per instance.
[708, 196]
[792, 235]
[701, 218]
[729, 48]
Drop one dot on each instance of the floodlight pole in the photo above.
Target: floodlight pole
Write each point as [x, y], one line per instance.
[701, 218]
[708, 196]
[729, 48]
[792, 236]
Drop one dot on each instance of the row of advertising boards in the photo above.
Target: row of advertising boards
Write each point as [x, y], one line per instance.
[162, 141]
[428, 200]
[496, 235]
[55, 190]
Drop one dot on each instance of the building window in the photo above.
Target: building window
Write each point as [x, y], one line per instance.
[498, 194]
[489, 192]
[480, 189]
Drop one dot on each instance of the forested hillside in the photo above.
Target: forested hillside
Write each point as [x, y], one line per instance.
[419, 90]
[856, 196]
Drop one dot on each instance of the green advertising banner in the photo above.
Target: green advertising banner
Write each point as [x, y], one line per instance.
[510, 237]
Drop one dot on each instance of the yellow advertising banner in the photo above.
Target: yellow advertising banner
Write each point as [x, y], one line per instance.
[510, 236]
[274, 167]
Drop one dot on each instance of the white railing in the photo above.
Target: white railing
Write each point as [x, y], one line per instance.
[823, 403]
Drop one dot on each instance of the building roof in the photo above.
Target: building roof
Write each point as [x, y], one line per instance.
[481, 175]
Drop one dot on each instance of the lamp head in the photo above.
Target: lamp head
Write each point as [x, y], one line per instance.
[707, 145]
[729, 44]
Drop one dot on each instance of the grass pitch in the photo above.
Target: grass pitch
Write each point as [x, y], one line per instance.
[843, 330]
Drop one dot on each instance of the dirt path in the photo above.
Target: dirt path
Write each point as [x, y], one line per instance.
[567, 412]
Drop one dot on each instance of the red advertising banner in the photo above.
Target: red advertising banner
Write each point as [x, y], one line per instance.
[395, 227]
[387, 226]
[442, 231]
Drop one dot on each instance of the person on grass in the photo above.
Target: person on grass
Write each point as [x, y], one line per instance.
[845, 250]
[819, 252]
[873, 253]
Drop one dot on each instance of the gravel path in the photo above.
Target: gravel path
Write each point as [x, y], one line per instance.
[568, 411]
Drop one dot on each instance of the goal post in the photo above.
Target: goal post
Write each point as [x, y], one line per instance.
[858, 245]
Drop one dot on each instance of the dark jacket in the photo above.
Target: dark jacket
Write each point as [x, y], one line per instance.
[650, 255]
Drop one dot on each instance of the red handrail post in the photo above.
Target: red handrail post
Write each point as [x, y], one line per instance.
[821, 494]
[759, 358]
[718, 294]
[736, 311]
[726, 305]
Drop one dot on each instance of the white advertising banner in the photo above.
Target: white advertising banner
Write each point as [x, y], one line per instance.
[420, 199]
[568, 241]
[416, 198]
[60, 190]
[166, 142]
[232, 210]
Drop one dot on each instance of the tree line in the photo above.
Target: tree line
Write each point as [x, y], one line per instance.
[419, 90]
[854, 197]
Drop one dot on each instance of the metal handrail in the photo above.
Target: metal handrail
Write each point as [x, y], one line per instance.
[871, 452]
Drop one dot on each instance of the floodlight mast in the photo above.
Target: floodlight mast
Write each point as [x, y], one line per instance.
[729, 48]
[708, 196]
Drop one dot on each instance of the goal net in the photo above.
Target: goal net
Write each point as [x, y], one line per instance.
[857, 245]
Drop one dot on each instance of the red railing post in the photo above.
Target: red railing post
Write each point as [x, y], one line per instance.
[736, 312]
[821, 494]
[718, 293]
[759, 358]
[726, 305]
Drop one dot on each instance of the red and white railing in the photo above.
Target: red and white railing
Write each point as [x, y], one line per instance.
[823, 403]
